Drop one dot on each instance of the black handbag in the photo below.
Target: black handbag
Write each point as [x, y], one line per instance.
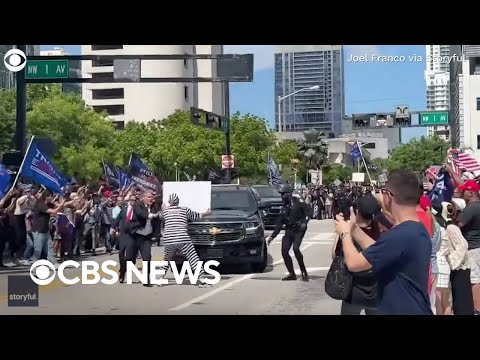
[338, 283]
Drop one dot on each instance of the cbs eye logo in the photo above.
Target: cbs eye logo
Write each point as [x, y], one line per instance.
[15, 60]
[42, 272]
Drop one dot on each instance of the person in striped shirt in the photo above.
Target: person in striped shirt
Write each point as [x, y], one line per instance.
[175, 234]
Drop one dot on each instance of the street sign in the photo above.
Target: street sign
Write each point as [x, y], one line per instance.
[434, 118]
[47, 69]
[228, 161]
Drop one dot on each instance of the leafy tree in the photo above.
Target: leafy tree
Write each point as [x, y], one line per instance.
[82, 136]
[193, 148]
[35, 93]
[285, 152]
[417, 155]
[313, 150]
[336, 171]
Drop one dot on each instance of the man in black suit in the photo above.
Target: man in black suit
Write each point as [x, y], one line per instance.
[124, 225]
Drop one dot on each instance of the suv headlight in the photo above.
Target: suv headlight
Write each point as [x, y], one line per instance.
[251, 227]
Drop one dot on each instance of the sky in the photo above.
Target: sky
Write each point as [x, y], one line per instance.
[370, 87]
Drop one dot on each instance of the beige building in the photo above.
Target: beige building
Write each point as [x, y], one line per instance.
[144, 102]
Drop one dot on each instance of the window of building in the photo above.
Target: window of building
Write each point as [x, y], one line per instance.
[102, 94]
[102, 62]
[478, 142]
[106, 47]
[110, 109]
[370, 145]
[118, 125]
[478, 103]
[103, 76]
[186, 92]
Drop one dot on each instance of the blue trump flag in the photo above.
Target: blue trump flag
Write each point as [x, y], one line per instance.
[141, 175]
[40, 169]
[356, 153]
[5, 180]
[123, 179]
[111, 173]
[442, 188]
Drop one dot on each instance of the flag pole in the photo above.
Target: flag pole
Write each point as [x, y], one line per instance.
[23, 161]
[364, 163]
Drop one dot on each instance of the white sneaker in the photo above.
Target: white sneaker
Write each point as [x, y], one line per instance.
[203, 284]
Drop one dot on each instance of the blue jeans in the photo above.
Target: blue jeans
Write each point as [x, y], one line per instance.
[29, 250]
[43, 245]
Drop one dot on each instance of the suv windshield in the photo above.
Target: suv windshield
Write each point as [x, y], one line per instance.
[267, 192]
[232, 199]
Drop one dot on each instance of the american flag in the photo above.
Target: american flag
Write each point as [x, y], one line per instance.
[274, 177]
[464, 162]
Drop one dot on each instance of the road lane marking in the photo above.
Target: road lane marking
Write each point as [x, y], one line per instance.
[58, 284]
[226, 286]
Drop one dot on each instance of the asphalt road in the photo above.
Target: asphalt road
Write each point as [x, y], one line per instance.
[236, 293]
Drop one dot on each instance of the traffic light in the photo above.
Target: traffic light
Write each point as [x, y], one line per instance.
[210, 120]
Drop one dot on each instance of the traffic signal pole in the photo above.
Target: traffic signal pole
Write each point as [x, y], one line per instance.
[21, 107]
[228, 147]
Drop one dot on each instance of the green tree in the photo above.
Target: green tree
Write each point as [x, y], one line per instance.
[82, 136]
[285, 152]
[313, 150]
[417, 155]
[193, 148]
[35, 94]
[336, 171]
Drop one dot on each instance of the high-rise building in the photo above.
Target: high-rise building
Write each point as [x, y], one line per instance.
[465, 97]
[437, 78]
[144, 102]
[75, 69]
[299, 67]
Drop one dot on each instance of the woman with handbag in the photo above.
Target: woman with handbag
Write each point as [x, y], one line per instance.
[363, 294]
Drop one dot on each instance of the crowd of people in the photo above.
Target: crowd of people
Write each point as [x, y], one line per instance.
[413, 249]
[31, 215]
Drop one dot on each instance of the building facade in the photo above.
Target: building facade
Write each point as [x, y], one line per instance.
[299, 67]
[465, 98]
[437, 78]
[75, 68]
[144, 102]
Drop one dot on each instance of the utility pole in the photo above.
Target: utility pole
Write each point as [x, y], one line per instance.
[21, 107]
[228, 173]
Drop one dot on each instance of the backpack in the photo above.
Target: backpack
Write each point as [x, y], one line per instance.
[339, 280]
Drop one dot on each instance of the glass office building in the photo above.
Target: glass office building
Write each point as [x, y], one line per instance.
[300, 67]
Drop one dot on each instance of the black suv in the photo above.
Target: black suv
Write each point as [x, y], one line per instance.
[233, 233]
[270, 204]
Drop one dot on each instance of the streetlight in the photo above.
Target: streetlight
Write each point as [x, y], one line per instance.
[281, 98]
[176, 171]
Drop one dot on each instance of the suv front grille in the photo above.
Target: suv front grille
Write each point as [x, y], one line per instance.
[204, 233]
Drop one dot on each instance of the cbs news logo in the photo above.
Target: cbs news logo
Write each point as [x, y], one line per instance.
[15, 60]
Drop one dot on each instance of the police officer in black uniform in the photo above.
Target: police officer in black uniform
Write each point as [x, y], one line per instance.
[294, 215]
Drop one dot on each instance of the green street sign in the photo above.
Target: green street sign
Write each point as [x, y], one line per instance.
[434, 118]
[47, 69]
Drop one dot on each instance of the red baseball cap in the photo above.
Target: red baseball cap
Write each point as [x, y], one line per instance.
[425, 202]
[469, 185]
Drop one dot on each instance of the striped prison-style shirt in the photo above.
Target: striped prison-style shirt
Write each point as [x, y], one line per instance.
[176, 220]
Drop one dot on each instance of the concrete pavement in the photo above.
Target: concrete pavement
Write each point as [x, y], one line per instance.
[237, 293]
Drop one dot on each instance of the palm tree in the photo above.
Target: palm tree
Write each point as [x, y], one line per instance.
[313, 150]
